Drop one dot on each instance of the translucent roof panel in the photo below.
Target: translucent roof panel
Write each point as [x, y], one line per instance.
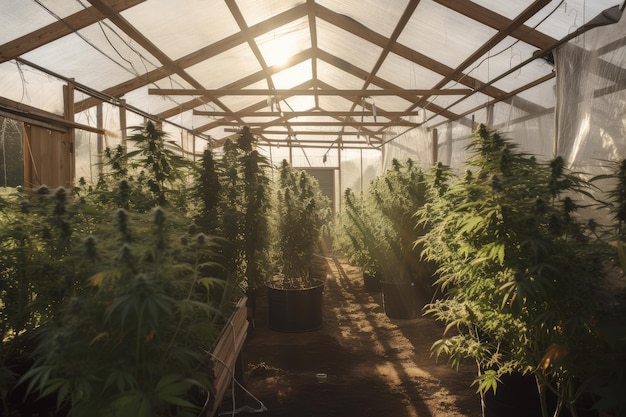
[407, 74]
[505, 56]
[226, 68]
[20, 17]
[255, 11]
[332, 75]
[351, 48]
[179, 28]
[380, 16]
[293, 76]
[93, 58]
[443, 34]
[281, 43]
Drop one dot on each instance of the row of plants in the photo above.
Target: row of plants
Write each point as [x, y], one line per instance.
[528, 284]
[377, 231]
[113, 293]
[526, 275]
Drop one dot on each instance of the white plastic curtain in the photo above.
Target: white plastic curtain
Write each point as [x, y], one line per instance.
[591, 103]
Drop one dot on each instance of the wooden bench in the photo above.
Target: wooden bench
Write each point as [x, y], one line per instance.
[226, 356]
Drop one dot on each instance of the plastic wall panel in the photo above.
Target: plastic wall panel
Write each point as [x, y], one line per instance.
[28, 86]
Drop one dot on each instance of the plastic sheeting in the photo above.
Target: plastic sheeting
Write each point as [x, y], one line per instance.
[591, 107]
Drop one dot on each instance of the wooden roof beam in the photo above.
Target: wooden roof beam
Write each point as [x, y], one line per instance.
[351, 122]
[196, 57]
[296, 92]
[57, 30]
[498, 22]
[313, 113]
[514, 24]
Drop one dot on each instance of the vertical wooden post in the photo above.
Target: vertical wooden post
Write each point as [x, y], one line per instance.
[490, 115]
[28, 156]
[339, 168]
[68, 114]
[99, 136]
[123, 126]
[361, 169]
[435, 150]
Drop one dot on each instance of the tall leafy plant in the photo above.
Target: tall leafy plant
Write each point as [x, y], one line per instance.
[37, 235]
[234, 196]
[379, 228]
[523, 278]
[302, 211]
[147, 174]
[133, 340]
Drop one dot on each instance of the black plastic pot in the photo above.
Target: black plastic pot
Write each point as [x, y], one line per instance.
[371, 282]
[402, 300]
[517, 396]
[295, 310]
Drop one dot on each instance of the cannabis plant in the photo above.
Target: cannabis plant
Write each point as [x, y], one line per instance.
[301, 211]
[147, 174]
[38, 231]
[133, 340]
[524, 280]
[354, 234]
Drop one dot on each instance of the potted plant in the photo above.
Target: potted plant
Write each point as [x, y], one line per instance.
[295, 295]
[233, 193]
[523, 276]
[353, 239]
[382, 223]
[407, 279]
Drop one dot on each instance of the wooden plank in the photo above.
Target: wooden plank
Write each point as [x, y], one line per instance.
[56, 30]
[296, 92]
[225, 354]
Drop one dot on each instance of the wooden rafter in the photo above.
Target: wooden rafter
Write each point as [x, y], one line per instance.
[58, 29]
[289, 115]
[513, 25]
[313, 92]
[351, 122]
[498, 22]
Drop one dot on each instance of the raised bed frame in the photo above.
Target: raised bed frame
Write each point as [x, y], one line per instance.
[226, 360]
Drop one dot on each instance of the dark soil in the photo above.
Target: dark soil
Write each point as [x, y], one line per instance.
[376, 366]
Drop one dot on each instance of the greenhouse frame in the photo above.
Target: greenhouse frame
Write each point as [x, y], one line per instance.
[324, 83]
[298, 193]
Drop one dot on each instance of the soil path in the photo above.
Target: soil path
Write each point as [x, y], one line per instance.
[376, 366]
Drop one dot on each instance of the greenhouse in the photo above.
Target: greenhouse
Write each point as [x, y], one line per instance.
[313, 208]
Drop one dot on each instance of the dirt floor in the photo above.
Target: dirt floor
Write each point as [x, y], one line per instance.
[376, 366]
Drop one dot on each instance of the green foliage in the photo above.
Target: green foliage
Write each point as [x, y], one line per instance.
[525, 282]
[119, 291]
[302, 212]
[354, 234]
[132, 340]
[378, 229]
[37, 269]
[235, 202]
[147, 175]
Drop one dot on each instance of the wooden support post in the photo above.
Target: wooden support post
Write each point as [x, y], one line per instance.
[99, 136]
[123, 127]
[339, 168]
[68, 114]
[435, 145]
